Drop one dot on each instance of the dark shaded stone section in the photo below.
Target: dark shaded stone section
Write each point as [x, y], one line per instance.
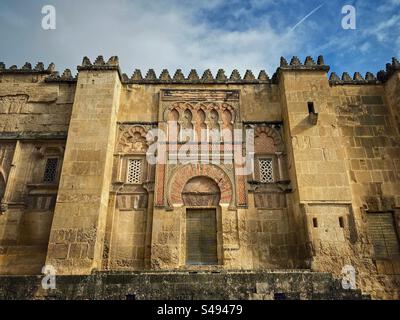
[183, 285]
[372, 100]
[33, 135]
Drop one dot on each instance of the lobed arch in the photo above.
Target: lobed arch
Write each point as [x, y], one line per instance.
[201, 191]
[184, 174]
[180, 107]
[273, 134]
[131, 135]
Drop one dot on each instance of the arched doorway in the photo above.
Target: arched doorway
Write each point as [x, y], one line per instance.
[201, 196]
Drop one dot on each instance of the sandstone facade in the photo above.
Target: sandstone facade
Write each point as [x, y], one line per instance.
[78, 192]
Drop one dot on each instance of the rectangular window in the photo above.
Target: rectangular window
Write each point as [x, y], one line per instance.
[383, 234]
[50, 170]
[266, 170]
[134, 174]
[311, 108]
[341, 222]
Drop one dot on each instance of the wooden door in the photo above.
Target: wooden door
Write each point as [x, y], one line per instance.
[201, 237]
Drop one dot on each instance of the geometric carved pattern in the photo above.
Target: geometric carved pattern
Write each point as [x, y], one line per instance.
[206, 107]
[50, 170]
[267, 140]
[159, 188]
[241, 190]
[131, 201]
[266, 170]
[12, 104]
[134, 171]
[187, 172]
[270, 200]
[132, 139]
[201, 191]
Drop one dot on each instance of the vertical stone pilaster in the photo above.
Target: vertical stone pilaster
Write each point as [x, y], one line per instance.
[392, 93]
[78, 229]
[11, 177]
[317, 164]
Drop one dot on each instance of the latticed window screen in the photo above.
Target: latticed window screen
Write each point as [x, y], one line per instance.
[266, 170]
[50, 170]
[134, 171]
[383, 234]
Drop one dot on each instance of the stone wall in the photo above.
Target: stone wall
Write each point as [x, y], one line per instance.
[343, 154]
[78, 230]
[282, 285]
[333, 146]
[34, 120]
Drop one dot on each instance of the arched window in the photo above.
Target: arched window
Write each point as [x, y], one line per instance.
[173, 126]
[201, 126]
[214, 127]
[187, 133]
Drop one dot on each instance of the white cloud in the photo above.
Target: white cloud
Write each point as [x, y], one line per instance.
[381, 30]
[158, 34]
[182, 34]
[365, 47]
[388, 5]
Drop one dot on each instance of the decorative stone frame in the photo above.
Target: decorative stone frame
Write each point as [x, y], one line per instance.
[45, 152]
[272, 133]
[275, 170]
[219, 107]
[220, 247]
[129, 148]
[41, 195]
[125, 165]
[127, 132]
[194, 107]
[275, 154]
[183, 174]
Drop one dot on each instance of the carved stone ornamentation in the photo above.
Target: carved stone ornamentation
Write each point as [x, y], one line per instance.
[183, 174]
[132, 139]
[267, 140]
[12, 104]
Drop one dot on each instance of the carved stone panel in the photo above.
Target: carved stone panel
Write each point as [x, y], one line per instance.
[132, 139]
[12, 104]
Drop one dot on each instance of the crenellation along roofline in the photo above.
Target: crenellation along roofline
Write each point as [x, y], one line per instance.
[207, 77]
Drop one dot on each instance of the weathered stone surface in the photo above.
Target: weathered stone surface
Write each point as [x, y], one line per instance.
[307, 205]
[283, 285]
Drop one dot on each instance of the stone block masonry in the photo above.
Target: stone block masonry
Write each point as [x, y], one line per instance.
[78, 193]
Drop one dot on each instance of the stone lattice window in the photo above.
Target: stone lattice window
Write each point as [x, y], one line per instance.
[134, 171]
[383, 234]
[50, 170]
[266, 170]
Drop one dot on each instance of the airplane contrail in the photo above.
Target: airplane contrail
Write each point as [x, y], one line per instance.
[308, 15]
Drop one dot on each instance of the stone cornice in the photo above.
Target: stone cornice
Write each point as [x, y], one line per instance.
[33, 135]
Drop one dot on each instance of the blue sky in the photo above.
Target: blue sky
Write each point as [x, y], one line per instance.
[213, 34]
